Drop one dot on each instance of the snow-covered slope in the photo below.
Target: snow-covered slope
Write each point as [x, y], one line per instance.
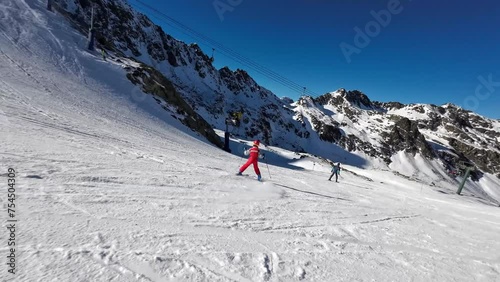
[424, 142]
[111, 187]
[212, 92]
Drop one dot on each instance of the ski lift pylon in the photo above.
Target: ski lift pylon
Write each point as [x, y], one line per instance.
[212, 58]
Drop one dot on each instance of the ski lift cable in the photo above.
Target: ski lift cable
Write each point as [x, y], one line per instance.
[211, 41]
[252, 65]
[226, 51]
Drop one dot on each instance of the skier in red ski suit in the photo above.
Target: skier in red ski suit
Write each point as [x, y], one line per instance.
[253, 159]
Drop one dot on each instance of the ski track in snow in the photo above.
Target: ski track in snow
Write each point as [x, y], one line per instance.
[109, 190]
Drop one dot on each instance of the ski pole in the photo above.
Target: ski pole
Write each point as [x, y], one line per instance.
[268, 169]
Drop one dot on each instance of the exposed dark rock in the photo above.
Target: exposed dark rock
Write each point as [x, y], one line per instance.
[358, 98]
[405, 136]
[329, 133]
[287, 100]
[419, 109]
[389, 105]
[155, 83]
[486, 160]
[460, 118]
[354, 98]
[441, 110]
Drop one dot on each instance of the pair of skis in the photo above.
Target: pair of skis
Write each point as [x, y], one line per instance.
[248, 176]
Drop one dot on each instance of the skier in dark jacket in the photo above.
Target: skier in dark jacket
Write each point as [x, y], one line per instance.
[255, 154]
[335, 171]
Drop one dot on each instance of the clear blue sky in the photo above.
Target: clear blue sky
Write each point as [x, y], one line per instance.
[430, 51]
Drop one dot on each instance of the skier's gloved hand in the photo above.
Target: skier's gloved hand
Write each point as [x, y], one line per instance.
[262, 155]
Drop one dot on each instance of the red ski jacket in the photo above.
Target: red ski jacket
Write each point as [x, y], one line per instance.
[254, 153]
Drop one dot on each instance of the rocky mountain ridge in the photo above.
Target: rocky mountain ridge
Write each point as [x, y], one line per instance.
[443, 132]
[339, 122]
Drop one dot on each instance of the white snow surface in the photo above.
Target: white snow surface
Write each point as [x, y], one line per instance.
[110, 187]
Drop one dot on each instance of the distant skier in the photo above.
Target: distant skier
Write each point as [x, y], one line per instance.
[234, 118]
[255, 154]
[103, 53]
[335, 171]
[237, 118]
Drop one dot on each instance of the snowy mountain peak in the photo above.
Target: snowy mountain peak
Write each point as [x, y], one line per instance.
[343, 123]
[306, 101]
[112, 175]
[357, 98]
[354, 98]
[450, 105]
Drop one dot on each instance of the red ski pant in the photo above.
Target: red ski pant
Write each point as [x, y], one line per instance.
[249, 162]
